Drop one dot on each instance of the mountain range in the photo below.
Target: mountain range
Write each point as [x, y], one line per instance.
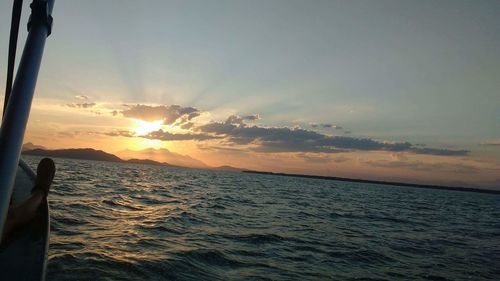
[129, 156]
[163, 155]
[99, 155]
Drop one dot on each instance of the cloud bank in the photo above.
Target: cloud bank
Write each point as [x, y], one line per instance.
[284, 139]
[235, 132]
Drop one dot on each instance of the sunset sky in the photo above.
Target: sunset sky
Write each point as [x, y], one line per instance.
[389, 90]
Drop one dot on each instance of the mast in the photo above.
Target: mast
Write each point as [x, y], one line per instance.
[18, 107]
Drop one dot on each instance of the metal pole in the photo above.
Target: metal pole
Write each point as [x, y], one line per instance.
[19, 105]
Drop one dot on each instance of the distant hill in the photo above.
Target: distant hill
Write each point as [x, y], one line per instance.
[31, 146]
[148, 162]
[229, 169]
[75, 153]
[163, 155]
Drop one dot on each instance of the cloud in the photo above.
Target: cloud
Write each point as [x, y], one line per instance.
[81, 105]
[315, 157]
[326, 126]
[82, 97]
[161, 135]
[187, 126]
[439, 151]
[119, 133]
[169, 114]
[239, 120]
[283, 139]
[234, 131]
[491, 143]
[425, 167]
[167, 136]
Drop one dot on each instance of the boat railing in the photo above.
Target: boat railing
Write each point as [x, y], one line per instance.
[18, 107]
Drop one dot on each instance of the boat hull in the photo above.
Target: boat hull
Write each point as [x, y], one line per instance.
[24, 256]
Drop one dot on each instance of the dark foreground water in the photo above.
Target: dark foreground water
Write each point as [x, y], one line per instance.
[136, 222]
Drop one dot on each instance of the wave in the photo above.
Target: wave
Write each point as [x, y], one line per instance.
[143, 223]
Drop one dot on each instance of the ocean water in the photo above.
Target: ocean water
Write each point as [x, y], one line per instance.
[114, 221]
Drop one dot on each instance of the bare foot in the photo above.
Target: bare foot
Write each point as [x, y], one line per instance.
[44, 176]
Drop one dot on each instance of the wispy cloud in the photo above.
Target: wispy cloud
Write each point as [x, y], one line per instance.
[82, 105]
[119, 133]
[491, 143]
[82, 97]
[425, 167]
[326, 126]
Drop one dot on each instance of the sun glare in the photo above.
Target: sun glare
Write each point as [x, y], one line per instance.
[143, 127]
[140, 143]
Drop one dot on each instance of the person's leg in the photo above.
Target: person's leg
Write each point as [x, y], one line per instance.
[21, 214]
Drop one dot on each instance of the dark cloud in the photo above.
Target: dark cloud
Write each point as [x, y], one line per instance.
[187, 126]
[239, 120]
[220, 148]
[234, 131]
[82, 105]
[161, 135]
[166, 136]
[273, 139]
[169, 114]
[119, 133]
[439, 151]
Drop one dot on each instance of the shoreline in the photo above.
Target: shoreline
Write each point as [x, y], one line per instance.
[427, 186]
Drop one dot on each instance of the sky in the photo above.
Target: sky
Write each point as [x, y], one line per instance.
[385, 90]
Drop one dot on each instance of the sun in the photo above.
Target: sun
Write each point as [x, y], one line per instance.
[143, 127]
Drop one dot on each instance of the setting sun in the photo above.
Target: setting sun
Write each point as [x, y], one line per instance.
[143, 127]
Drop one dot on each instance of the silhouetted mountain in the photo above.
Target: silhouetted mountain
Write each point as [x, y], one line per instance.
[75, 153]
[91, 154]
[148, 162]
[31, 146]
[229, 168]
[163, 155]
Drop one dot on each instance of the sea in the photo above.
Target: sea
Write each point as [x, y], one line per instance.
[117, 221]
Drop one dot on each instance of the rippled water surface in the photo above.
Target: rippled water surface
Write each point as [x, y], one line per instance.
[137, 222]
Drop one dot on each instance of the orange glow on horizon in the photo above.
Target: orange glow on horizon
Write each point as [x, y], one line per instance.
[142, 143]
